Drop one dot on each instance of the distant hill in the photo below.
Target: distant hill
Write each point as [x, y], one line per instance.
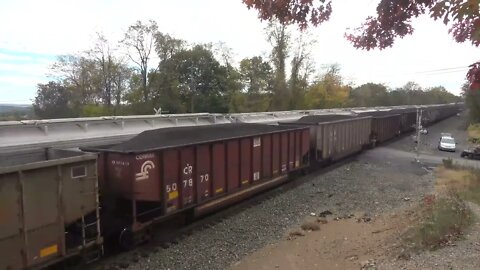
[9, 112]
[13, 108]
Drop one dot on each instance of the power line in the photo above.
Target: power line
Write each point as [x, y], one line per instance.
[434, 72]
[442, 73]
[454, 69]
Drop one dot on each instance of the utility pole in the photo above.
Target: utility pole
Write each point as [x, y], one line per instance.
[419, 127]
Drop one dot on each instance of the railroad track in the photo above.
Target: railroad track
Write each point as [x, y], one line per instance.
[165, 238]
[169, 233]
[178, 173]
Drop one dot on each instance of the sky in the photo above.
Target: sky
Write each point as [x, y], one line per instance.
[33, 33]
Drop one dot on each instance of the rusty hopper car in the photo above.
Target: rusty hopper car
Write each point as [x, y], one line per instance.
[48, 208]
[163, 172]
[333, 137]
[385, 125]
[437, 113]
[408, 119]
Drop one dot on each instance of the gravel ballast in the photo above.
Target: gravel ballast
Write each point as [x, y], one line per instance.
[375, 182]
[371, 186]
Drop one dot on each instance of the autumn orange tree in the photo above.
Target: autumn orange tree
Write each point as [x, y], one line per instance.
[393, 20]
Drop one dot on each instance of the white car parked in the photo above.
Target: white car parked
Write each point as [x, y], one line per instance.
[447, 144]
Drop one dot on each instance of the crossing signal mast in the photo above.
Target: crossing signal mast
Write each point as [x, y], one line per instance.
[419, 128]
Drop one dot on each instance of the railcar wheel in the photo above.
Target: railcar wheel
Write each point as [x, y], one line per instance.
[126, 239]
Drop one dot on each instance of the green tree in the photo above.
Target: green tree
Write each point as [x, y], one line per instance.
[279, 38]
[440, 95]
[238, 103]
[198, 79]
[164, 88]
[394, 19]
[233, 85]
[369, 95]
[167, 89]
[232, 80]
[301, 70]
[398, 97]
[257, 75]
[473, 103]
[139, 41]
[413, 94]
[409, 94]
[111, 74]
[121, 77]
[166, 46]
[52, 101]
[78, 74]
[472, 100]
[257, 78]
[95, 77]
[134, 96]
[102, 56]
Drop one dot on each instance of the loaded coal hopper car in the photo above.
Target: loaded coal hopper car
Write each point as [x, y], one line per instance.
[192, 170]
[333, 137]
[386, 124]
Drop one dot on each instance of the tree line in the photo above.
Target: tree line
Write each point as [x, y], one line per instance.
[394, 19]
[149, 71]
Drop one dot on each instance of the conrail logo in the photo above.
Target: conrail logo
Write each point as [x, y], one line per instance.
[143, 174]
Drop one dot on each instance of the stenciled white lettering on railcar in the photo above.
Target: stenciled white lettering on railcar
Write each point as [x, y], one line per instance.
[145, 168]
[121, 163]
[188, 169]
[144, 156]
[257, 142]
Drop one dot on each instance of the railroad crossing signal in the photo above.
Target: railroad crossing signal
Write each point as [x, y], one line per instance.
[418, 138]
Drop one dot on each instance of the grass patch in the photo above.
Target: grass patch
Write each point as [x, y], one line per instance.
[448, 163]
[463, 182]
[454, 179]
[445, 216]
[473, 132]
[471, 195]
[442, 222]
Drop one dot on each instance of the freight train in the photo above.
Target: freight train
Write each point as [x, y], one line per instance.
[57, 204]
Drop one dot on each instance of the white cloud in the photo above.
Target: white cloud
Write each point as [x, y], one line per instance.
[18, 81]
[32, 69]
[20, 58]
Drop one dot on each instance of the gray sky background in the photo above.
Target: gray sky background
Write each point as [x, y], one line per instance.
[33, 33]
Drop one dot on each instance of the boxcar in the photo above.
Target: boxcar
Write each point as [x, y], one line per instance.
[162, 172]
[333, 137]
[49, 208]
